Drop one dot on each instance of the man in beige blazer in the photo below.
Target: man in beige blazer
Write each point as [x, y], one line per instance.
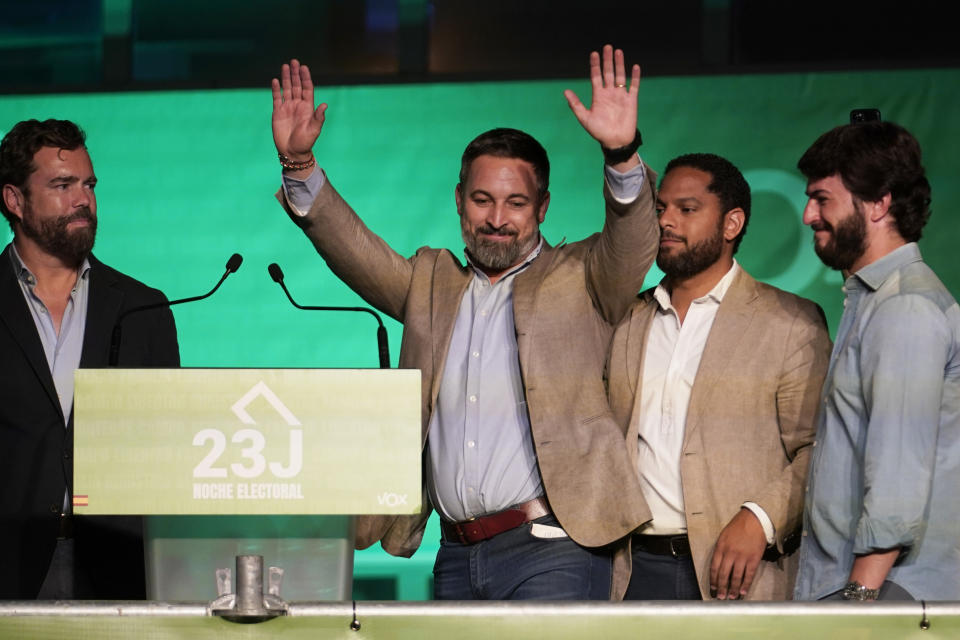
[522, 458]
[718, 378]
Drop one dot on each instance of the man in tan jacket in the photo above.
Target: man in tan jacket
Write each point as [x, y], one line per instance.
[522, 458]
[718, 377]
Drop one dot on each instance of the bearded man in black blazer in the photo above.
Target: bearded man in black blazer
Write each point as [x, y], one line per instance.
[58, 305]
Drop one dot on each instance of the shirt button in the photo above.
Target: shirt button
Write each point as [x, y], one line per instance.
[473, 398]
[804, 533]
[471, 444]
[476, 354]
[483, 313]
[469, 489]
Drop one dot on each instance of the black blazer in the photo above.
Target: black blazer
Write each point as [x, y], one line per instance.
[36, 439]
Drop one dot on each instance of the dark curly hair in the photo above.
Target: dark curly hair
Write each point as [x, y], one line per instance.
[874, 159]
[23, 141]
[727, 183]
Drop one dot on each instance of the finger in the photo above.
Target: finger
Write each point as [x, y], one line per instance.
[748, 575]
[318, 114]
[307, 83]
[736, 579]
[277, 97]
[595, 79]
[295, 87]
[723, 577]
[715, 570]
[635, 79]
[607, 65]
[619, 76]
[285, 81]
[575, 105]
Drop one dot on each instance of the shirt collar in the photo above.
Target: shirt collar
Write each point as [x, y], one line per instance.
[716, 294]
[876, 273]
[523, 265]
[26, 276]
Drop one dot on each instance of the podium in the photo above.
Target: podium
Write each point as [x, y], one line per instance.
[228, 462]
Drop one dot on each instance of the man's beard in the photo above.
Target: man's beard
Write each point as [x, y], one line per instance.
[692, 260]
[848, 240]
[52, 235]
[495, 255]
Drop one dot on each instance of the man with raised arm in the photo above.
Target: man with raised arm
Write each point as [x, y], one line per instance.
[522, 459]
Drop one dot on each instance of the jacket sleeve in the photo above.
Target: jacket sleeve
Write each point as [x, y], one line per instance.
[624, 250]
[359, 257]
[802, 372]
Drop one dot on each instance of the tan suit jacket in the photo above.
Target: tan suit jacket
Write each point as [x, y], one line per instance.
[751, 418]
[566, 305]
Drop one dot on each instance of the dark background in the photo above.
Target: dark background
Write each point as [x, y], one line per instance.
[109, 45]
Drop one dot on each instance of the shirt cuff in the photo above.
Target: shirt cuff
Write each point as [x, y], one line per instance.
[300, 194]
[768, 530]
[625, 187]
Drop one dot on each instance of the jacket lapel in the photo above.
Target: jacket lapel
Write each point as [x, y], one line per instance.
[641, 317]
[15, 315]
[526, 284]
[729, 331]
[451, 282]
[103, 307]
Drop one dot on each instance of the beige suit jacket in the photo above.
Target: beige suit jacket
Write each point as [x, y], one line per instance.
[751, 418]
[566, 305]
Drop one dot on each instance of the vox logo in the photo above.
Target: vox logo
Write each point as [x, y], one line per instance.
[391, 499]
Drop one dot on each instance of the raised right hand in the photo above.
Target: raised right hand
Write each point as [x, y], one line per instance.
[296, 124]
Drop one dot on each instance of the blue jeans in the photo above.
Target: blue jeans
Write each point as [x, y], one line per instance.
[657, 577]
[517, 565]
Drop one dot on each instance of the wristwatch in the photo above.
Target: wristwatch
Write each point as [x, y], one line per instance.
[624, 153]
[856, 591]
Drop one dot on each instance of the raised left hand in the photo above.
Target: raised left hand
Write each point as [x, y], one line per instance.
[612, 116]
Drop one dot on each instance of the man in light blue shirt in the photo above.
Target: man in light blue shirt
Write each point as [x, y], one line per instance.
[882, 519]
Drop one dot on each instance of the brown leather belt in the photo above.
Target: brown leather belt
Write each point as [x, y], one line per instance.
[485, 527]
[675, 546]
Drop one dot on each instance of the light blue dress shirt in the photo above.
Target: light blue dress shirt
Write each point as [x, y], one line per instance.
[480, 447]
[64, 348]
[481, 457]
[885, 469]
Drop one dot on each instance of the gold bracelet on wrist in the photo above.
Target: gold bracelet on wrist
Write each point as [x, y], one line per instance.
[287, 163]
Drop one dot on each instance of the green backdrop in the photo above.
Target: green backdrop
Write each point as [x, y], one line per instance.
[187, 178]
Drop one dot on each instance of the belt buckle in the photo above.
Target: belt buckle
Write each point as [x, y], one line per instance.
[458, 527]
[65, 527]
[673, 549]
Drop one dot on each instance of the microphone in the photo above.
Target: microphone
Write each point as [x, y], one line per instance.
[383, 348]
[232, 265]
